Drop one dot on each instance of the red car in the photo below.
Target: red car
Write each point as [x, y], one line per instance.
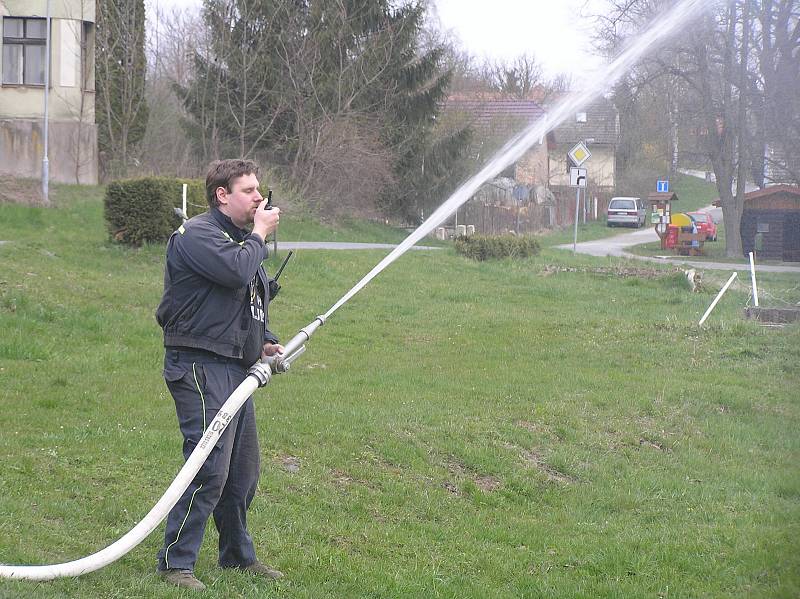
[705, 224]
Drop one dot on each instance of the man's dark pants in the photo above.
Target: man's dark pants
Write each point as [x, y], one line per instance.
[225, 485]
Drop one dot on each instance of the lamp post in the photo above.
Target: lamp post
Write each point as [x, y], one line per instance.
[45, 161]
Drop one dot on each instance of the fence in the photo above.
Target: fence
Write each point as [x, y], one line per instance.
[531, 218]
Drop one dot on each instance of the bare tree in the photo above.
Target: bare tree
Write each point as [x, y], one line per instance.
[120, 75]
[717, 79]
[172, 41]
[516, 78]
[776, 90]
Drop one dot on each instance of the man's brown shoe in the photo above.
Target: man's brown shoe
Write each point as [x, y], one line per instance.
[181, 578]
[260, 569]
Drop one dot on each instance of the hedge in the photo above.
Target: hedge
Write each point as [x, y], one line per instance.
[483, 247]
[139, 211]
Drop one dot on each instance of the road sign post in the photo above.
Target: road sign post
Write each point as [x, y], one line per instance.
[577, 179]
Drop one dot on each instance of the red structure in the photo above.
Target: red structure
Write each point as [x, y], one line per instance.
[661, 214]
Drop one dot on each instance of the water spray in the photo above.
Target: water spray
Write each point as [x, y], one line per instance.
[261, 373]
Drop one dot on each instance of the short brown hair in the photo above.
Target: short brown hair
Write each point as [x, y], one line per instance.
[221, 173]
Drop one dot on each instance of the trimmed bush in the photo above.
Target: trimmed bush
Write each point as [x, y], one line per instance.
[483, 247]
[139, 211]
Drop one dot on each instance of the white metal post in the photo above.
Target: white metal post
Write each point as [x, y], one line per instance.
[184, 200]
[719, 295]
[753, 279]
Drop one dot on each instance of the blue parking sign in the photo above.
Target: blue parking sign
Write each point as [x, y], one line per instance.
[662, 186]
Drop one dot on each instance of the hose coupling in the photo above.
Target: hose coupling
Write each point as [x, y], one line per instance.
[262, 371]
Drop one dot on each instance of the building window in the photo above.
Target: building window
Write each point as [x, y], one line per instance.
[762, 228]
[24, 50]
[580, 117]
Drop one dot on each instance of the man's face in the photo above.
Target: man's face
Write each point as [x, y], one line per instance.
[241, 202]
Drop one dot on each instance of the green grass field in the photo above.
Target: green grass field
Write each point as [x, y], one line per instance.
[540, 428]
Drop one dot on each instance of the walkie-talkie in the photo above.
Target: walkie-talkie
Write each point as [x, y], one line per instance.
[285, 260]
[274, 286]
[268, 206]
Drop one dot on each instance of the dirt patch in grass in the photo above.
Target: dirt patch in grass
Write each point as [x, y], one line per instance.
[485, 482]
[451, 488]
[342, 479]
[534, 460]
[620, 271]
[21, 191]
[540, 429]
[530, 426]
[289, 463]
[654, 445]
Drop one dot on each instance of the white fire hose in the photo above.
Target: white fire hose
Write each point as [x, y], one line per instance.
[258, 376]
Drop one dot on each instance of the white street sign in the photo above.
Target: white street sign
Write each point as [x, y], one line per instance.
[579, 154]
[577, 177]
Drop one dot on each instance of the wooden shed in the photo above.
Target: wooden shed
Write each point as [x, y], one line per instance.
[771, 223]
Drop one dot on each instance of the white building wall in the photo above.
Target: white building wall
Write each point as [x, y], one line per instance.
[72, 134]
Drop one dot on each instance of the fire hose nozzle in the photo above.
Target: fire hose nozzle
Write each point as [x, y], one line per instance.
[286, 361]
[304, 335]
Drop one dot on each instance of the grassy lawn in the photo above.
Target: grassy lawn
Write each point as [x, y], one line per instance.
[500, 429]
[693, 193]
[308, 229]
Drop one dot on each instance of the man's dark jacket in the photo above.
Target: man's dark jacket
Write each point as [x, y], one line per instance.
[206, 304]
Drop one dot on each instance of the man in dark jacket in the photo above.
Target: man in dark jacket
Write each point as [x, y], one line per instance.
[214, 313]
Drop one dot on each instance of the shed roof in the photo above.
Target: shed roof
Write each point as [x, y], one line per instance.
[792, 190]
[772, 190]
[662, 196]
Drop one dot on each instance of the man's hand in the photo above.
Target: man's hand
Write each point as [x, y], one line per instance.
[271, 349]
[265, 221]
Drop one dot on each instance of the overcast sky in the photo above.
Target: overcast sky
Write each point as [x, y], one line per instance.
[556, 32]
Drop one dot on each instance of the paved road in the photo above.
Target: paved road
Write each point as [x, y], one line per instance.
[619, 244]
[615, 246]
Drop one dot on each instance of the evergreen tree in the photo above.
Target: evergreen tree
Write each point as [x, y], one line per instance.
[307, 83]
[425, 159]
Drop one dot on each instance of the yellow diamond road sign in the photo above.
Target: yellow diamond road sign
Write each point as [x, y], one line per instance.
[579, 154]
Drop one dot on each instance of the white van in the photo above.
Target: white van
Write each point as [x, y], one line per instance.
[626, 211]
